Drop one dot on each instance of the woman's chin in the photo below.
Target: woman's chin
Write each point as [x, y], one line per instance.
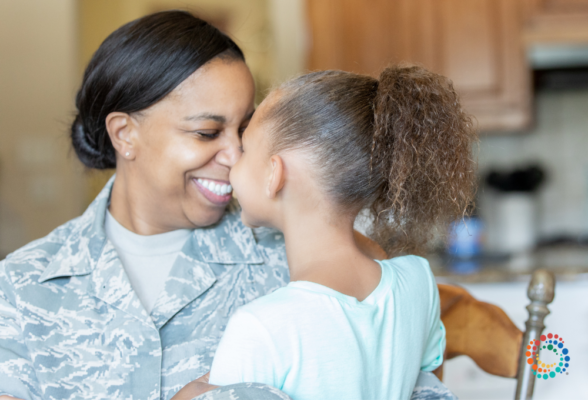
[201, 213]
[204, 219]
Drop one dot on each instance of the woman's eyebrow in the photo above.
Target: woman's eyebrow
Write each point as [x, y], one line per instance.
[206, 116]
[214, 117]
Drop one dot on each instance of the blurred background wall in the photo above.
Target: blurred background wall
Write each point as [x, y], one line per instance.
[40, 182]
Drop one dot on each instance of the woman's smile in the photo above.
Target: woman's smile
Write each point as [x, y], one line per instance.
[216, 191]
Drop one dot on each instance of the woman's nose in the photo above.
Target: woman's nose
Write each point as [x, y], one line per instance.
[230, 152]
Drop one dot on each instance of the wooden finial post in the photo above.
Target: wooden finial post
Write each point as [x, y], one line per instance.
[541, 291]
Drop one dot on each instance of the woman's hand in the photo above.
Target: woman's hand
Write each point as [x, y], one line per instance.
[194, 388]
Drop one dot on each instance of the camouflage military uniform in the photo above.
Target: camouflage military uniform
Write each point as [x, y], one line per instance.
[427, 387]
[71, 326]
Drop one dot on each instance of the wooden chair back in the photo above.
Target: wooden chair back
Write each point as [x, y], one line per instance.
[471, 324]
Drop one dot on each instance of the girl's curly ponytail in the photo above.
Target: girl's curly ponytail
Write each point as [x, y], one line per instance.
[421, 148]
[399, 146]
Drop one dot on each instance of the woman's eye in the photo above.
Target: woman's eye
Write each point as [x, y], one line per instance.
[208, 134]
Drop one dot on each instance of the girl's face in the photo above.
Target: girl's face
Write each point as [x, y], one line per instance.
[187, 143]
[250, 173]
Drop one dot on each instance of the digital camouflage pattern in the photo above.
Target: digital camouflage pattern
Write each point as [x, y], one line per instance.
[71, 325]
[244, 391]
[427, 387]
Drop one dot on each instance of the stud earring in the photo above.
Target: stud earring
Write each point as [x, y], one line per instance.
[127, 154]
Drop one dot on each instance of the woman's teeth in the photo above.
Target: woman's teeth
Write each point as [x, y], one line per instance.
[218, 189]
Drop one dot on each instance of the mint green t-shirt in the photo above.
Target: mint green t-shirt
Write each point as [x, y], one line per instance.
[313, 342]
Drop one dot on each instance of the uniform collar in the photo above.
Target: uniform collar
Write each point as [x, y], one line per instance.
[83, 247]
[228, 241]
[86, 251]
[193, 272]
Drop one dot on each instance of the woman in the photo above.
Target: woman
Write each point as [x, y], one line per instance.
[131, 298]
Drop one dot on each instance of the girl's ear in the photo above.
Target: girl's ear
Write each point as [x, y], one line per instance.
[120, 126]
[277, 176]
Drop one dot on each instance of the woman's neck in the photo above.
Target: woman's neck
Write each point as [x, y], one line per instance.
[135, 209]
[324, 251]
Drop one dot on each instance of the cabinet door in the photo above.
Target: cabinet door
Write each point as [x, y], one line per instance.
[556, 21]
[355, 35]
[476, 43]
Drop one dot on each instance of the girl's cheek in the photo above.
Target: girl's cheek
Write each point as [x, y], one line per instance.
[233, 176]
[250, 207]
[236, 179]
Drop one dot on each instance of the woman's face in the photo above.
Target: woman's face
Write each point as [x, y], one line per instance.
[187, 143]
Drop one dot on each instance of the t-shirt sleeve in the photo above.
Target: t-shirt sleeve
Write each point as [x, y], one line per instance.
[246, 353]
[435, 343]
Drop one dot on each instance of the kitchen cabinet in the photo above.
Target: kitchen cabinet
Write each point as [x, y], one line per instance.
[476, 43]
[559, 21]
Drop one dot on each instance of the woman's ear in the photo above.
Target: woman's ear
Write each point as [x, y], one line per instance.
[120, 127]
[277, 176]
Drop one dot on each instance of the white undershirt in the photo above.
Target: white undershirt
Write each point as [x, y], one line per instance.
[147, 259]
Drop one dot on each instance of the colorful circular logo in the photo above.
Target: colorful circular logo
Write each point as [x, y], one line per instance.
[554, 345]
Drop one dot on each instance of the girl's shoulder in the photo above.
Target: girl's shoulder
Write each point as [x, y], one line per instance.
[281, 311]
[407, 260]
[409, 265]
[274, 305]
[412, 276]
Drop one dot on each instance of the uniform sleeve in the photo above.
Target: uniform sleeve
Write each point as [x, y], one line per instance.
[435, 345]
[17, 376]
[246, 353]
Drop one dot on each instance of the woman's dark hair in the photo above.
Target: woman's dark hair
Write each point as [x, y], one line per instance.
[135, 67]
[399, 146]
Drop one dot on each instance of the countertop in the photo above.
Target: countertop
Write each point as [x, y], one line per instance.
[567, 262]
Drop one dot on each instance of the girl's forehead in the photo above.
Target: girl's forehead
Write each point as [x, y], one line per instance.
[262, 111]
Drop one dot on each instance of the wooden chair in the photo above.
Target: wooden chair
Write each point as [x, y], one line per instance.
[471, 324]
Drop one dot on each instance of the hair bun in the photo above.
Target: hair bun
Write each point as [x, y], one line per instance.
[91, 153]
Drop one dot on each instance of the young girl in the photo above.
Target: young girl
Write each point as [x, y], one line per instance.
[318, 150]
